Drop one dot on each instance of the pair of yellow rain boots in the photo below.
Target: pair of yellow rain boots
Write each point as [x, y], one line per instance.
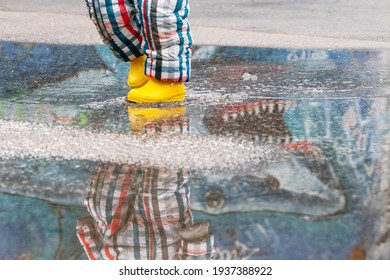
[146, 90]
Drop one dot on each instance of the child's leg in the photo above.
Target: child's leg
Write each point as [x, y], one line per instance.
[117, 23]
[167, 39]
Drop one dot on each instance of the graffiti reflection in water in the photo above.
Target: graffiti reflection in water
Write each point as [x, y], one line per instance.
[325, 196]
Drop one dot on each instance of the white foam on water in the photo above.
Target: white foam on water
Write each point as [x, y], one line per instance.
[32, 140]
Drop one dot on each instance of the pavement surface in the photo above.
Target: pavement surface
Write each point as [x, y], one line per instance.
[280, 151]
[256, 23]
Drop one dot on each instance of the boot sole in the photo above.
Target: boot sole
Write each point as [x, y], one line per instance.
[177, 97]
[170, 104]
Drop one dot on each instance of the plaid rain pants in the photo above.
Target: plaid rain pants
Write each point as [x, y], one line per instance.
[157, 28]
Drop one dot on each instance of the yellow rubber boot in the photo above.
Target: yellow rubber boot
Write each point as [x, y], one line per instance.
[157, 91]
[152, 120]
[137, 77]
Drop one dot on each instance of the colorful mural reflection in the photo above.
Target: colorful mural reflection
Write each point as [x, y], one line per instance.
[326, 197]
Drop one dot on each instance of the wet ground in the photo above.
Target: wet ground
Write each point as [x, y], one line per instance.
[284, 153]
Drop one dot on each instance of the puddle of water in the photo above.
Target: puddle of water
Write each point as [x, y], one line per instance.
[276, 154]
[35, 229]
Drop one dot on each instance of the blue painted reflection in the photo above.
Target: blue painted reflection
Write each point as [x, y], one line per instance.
[337, 155]
[35, 229]
[30, 65]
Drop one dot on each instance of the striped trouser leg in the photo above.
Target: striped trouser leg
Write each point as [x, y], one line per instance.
[118, 24]
[167, 38]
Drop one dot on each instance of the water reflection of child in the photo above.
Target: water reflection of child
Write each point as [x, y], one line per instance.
[155, 37]
[141, 212]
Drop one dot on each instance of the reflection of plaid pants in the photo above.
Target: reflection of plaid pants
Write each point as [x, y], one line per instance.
[136, 212]
[157, 28]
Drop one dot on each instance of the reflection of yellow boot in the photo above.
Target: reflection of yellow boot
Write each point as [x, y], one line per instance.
[152, 120]
[137, 77]
[157, 91]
